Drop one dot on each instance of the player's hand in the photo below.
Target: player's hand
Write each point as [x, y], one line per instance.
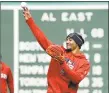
[55, 51]
[26, 13]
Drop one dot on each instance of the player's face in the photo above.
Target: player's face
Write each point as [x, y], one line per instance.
[71, 44]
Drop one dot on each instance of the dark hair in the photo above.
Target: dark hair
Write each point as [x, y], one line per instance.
[0, 57]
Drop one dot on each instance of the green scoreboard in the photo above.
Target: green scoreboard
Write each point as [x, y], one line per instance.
[29, 62]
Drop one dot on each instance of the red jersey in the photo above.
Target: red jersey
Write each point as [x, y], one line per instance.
[6, 79]
[66, 77]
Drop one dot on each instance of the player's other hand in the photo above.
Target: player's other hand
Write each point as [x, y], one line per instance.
[55, 51]
[26, 13]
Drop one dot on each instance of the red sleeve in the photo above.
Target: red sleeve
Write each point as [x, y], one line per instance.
[76, 76]
[10, 81]
[39, 35]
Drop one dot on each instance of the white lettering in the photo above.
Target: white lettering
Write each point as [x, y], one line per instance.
[48, 17]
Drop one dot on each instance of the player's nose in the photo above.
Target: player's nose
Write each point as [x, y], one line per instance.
[68, 41]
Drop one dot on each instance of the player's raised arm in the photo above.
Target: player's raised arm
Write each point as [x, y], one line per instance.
[39, 35]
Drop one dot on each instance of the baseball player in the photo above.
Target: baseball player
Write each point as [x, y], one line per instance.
[6, 78]
[68, 66]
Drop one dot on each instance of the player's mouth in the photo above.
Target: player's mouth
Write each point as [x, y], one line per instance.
[68, 46]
